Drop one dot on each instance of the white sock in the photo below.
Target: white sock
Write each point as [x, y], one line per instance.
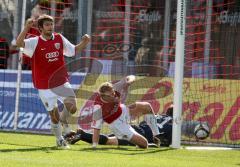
[66, 129]
[57, 130]
[64, 116]
[64, 120]
[152, 123]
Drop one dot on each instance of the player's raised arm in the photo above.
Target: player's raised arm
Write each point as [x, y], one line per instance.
[83, 43]
[123, 85]
[21, 36]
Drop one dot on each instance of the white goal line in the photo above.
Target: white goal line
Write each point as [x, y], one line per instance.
[209, 148]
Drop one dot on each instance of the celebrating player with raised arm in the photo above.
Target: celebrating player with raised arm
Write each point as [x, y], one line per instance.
[49, 73]
[108, 107]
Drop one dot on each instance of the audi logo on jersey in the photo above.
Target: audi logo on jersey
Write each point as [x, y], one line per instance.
[52, 56]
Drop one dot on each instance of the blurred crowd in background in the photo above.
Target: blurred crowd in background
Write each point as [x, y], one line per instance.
[134, 33]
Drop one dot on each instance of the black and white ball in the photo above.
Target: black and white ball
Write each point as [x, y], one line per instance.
[201, 131]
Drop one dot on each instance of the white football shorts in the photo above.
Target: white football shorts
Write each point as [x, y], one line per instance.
[121, 127]
[50, 97]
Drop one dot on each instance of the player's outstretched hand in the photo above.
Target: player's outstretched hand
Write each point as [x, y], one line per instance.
[94, 145]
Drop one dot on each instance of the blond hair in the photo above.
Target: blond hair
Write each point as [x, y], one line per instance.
[104, 87]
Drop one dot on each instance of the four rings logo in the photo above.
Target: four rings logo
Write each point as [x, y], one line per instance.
[115, 51]
[52, 56]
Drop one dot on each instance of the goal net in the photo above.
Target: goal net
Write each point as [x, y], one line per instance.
[211, 68]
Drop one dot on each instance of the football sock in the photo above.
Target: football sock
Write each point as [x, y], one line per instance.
[122, 142]
[87, 137]
[152, 123]
[64, 120]
[57, 130]
[64, 116]
[66, 128]
[103, 139]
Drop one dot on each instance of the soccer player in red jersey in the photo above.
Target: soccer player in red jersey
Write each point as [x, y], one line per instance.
[49, 73]
[108, 107]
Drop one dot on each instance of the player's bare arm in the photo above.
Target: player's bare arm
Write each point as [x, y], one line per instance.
[123, 85]
[85, 40]
[21, 36]
[128, 81]
[95, 137]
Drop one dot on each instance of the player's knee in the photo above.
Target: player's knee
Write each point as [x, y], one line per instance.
[72, 109]
[146, 107]
[54, 120]
[143, 143]
[139, 140]
[70, 105]
[149, 107]
[54, 117]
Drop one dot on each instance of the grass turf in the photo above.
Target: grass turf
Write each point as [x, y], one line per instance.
[39, 150]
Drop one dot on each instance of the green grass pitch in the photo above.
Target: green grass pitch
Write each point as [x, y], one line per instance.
[39, 150]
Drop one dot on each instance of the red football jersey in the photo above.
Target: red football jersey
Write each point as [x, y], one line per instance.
[110, 110]
[48, 67]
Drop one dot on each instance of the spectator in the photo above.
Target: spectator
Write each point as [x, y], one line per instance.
[4, 53]
[142, 53]
[142, 57]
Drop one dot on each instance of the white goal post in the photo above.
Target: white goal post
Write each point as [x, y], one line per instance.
[178, 78]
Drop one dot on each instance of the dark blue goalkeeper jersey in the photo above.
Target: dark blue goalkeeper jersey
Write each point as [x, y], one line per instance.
[164, 123]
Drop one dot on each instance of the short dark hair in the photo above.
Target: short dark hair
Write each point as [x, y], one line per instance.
[169, 111]
[43, 18]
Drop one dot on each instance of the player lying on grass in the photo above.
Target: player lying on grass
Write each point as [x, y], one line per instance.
[164, 123]
[109, 108]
